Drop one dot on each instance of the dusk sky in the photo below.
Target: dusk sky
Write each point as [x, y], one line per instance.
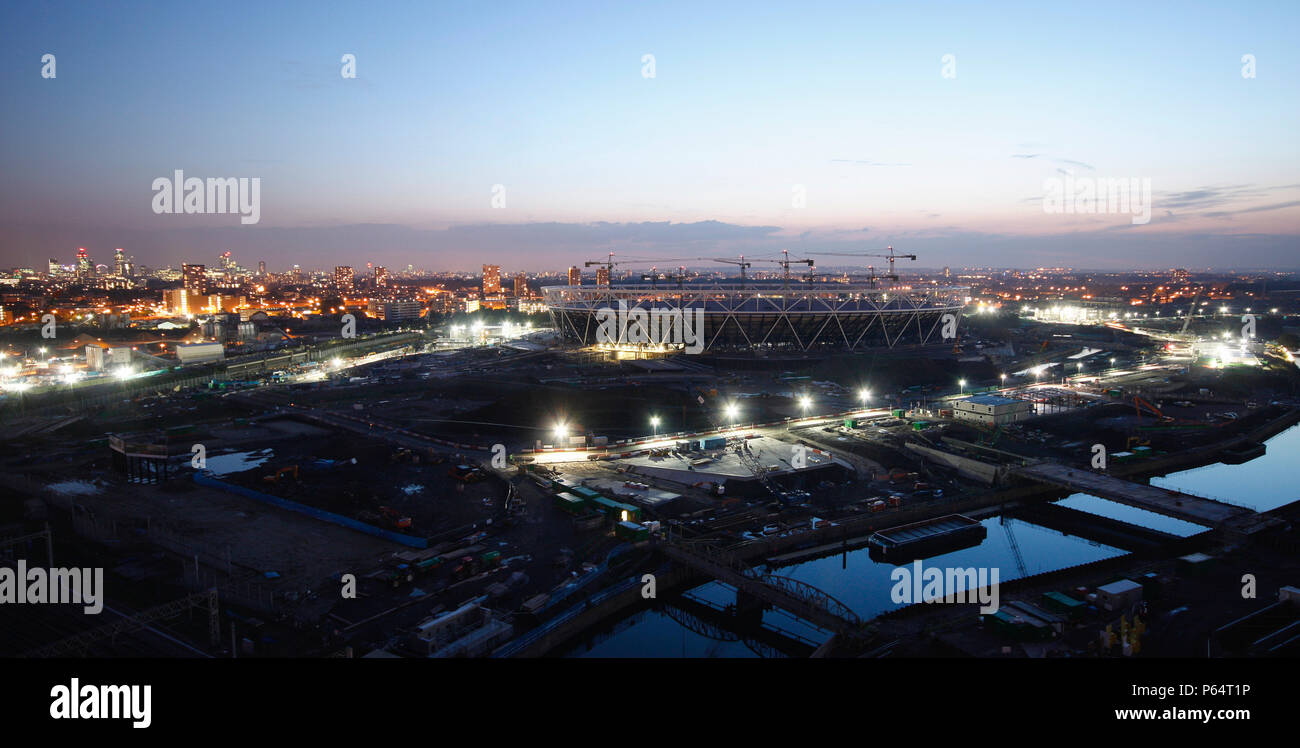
[749, 104]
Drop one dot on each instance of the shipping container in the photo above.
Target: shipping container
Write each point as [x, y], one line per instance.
[631, 531]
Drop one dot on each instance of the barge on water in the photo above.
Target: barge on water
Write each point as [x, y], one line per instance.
[930, 537]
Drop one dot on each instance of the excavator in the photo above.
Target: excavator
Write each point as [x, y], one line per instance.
[1139, 404]
[275, 478]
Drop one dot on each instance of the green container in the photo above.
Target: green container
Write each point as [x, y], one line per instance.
[491, 558]
[898, 412]
[631, 531]
[569, 503]
[1063, 603]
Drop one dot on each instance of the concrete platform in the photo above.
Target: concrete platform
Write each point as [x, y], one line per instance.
[1160, 500]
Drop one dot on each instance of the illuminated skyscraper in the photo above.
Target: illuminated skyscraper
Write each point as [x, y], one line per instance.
[194, 279]
[491, 280]
[575, 276]
[521, 286]
[85, 268]
[602, 276]
[344, 277]
[381, 276]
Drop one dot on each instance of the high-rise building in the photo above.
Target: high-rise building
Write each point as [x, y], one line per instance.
[575, 276]
[85, 268]
[521, 285]
[119, 262]
[491, 280]
[381, 276]
[177, 300]
[602, 276]
[261, 268]
[55, 267]
[194, 278]
[343, 278]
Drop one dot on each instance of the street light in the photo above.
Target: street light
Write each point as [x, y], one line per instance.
[961, 386]
[1003, 375]
[561, 431]
[865, 395]
[731, 410]
[654, 423]
[804, 403]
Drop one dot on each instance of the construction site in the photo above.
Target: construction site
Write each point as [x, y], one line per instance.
[508, 499]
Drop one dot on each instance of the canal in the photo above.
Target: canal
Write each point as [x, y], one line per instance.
[864, 584]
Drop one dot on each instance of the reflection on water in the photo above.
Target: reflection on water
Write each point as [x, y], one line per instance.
[864, 585]
[855, 580]
[1262, 484]
[1131, 514]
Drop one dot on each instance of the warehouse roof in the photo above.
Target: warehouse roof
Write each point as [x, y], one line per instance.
[991, 400]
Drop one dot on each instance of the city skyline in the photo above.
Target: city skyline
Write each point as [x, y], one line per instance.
[519, 132]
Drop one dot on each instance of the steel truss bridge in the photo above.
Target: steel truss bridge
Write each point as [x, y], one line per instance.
[801, 599]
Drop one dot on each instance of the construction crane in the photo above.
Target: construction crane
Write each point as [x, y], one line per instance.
[785, 262]
[741, 262]
[891, 257]
[609, 266]
[1190, 310]
[1015, 547]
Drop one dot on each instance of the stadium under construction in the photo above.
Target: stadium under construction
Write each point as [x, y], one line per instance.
[808, 317]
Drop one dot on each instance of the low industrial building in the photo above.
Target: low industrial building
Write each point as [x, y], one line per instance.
[991, 410]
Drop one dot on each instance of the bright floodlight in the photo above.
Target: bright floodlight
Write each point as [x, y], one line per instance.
[732, 410]
[561, 431]
[336, 362]
[805, 402]
[654, 420]
[864, 395]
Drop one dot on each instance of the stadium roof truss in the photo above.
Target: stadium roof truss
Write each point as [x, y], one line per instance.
[804, 318]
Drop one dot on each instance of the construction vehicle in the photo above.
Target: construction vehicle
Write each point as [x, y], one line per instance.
[466, 473]
[1139, 405]
[394, 518]
[275, 478]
